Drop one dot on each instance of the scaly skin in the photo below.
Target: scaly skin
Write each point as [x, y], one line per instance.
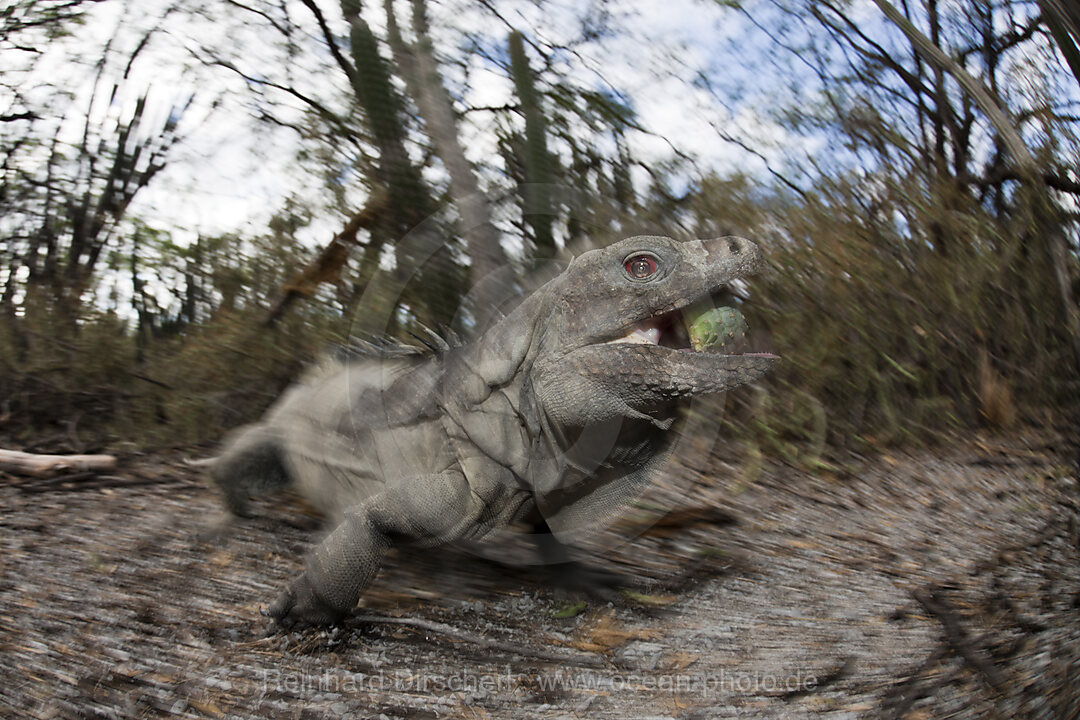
[559, 413]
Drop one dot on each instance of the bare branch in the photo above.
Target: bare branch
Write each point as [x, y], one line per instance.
[331, 44]
[982, 97]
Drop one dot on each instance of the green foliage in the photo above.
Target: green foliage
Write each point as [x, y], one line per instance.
[228, 371]
[187, 358]
[89, 389]
[50, 380]
[54, 18]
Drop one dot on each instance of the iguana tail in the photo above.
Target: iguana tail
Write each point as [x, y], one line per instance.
[253, 463]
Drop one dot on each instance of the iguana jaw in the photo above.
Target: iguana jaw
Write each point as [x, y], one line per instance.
[653, 364]
[655, 352]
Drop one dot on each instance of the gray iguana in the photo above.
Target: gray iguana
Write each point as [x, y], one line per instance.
[560, 412]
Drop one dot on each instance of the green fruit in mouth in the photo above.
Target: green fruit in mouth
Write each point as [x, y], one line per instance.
[716, 329]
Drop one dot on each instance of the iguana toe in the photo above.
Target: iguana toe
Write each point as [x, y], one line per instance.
[300, 606]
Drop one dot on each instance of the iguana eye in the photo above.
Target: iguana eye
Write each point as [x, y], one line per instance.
[640, 266]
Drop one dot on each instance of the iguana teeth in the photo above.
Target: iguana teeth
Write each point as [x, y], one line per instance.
[641, 334]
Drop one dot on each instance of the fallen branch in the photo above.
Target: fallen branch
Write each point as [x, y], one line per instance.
[21, 463]
[682, 518]
[903, 695]
[837, 673]
[1003, 555]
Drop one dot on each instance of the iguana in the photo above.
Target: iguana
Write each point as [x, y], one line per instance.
[560, 412]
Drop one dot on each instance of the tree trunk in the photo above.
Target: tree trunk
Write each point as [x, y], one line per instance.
[491, 284]
[1025, 161]
[1063, 17]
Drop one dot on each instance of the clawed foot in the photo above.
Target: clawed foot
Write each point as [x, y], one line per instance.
[216, 531]
[300, 606]
[597, 583]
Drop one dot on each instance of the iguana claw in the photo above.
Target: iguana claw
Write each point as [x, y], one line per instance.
[300, 606]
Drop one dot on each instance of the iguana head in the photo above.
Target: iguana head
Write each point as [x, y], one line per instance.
[634, 289]
[614, 343]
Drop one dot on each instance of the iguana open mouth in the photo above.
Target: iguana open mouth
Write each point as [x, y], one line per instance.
[699, 328]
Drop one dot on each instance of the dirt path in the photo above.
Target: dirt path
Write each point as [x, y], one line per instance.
[924, 585]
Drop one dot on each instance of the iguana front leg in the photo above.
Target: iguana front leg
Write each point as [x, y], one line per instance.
[430, 510]
[575, 575]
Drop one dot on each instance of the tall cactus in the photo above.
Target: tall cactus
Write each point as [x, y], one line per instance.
[538, 170]
[430, 280]
[384, 111]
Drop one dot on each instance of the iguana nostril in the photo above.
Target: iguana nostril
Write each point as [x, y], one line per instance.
[734, 246]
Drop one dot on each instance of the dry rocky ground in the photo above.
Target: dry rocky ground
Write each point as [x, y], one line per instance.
[929, 584]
